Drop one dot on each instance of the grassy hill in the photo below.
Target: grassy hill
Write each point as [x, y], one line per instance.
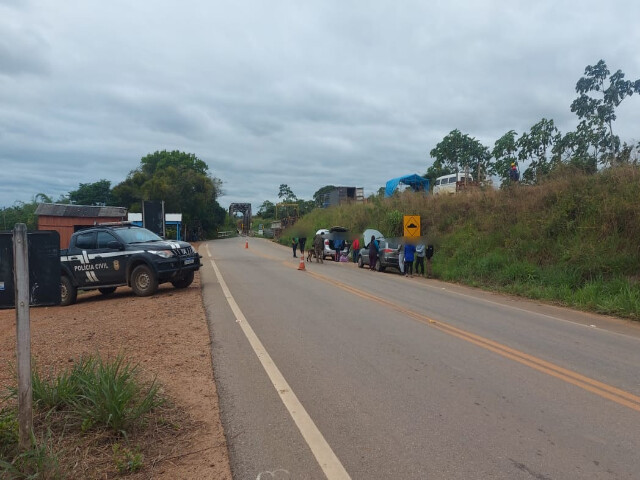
[572, 240]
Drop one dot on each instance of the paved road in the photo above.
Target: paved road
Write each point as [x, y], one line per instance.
[400, 378]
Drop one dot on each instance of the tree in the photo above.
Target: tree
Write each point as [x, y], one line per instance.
[537, 148]
[285, 193]
[459, 152]
[267, 209]
[599, 94]
[505, 153]
[182, 181]
[318, 197]
[98, 193]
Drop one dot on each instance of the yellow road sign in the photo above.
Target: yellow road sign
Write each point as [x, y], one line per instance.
[412, 226]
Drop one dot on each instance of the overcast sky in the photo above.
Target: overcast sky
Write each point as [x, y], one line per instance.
[307, 93]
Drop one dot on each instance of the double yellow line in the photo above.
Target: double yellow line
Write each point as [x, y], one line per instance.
[609, 392]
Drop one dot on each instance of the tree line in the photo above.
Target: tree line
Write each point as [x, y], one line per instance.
[180, 179]
[544, 148]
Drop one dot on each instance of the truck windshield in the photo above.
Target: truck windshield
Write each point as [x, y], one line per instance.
[137, 235]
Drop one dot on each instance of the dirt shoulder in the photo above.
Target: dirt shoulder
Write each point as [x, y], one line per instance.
[167, 335]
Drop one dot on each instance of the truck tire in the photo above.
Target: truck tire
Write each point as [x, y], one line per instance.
[184, 281]
[107, 290]
[379, 267]
[360, 262]
[143, 281]
[68, 293]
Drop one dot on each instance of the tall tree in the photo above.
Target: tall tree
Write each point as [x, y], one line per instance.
[505, 152]
[98, 193]
[459, 152]
[267, 209]
[599, 94]
[182, 181]
[537, 148]
[286, 194]
[318, 197]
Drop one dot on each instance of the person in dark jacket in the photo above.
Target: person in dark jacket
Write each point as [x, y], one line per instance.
[318, 247]
[373, 253]
[301, 242]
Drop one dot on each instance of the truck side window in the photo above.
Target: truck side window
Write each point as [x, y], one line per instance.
[86, 241]
[104, 238]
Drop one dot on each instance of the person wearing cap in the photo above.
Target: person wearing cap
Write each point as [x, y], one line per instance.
[514, 175]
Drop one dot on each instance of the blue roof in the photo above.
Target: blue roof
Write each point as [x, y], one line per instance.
[416, 182]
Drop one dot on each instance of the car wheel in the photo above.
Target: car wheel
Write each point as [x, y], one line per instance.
[107, 290]
[184, 281]
[360, 262]
[379, 267]
[143, 281]
[68, 293]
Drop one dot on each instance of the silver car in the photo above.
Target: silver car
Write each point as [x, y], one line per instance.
[388, 254]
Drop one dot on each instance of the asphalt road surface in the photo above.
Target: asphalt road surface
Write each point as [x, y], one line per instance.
[340, 372]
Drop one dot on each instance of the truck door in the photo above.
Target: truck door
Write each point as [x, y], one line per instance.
[79, 261]
[109, 262]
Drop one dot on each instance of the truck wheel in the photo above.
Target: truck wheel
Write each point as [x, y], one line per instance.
[360, 262]
[379, 267]
[107, 290]
[143, 281]
[184, 281]
[68, 293]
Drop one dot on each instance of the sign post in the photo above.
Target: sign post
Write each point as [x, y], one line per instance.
[412, 226]
[23, 334]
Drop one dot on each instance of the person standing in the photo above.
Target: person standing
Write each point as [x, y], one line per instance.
[318, 247]
[294, 245]
[429, 254]
[355, 250]
[409, 253]
[420, 253]
[302, 241]
[401, 258]
[373, 253]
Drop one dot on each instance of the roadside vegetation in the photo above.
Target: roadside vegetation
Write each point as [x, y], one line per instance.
[571, 239]
[94, 417]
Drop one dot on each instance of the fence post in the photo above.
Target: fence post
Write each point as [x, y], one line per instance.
[23, 330]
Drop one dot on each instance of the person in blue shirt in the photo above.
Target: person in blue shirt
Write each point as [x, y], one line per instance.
[409, 255]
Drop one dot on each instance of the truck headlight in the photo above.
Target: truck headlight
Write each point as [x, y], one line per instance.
[163, 253]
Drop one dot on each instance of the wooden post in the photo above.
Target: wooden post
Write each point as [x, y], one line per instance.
[23, 328]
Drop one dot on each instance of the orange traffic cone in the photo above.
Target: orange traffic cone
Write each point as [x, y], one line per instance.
[246, 244]
[301, 266]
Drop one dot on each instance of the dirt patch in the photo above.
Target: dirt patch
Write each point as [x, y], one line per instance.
[167, 336]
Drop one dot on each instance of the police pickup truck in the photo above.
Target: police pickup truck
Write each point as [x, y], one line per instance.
[108, 256]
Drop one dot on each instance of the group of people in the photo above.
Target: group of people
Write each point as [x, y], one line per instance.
[409, 253]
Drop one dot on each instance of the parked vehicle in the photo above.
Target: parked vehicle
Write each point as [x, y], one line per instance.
[388, 255]
[330, 236]
[447, 183]
[109, 256]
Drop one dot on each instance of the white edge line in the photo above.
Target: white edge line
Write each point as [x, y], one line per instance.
[327, 459]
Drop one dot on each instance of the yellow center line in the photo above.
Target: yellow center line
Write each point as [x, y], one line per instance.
[604, 390]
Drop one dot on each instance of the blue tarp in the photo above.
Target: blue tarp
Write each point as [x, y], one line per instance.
[416, 182]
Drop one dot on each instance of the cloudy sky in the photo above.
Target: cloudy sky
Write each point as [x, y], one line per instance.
[307, 93]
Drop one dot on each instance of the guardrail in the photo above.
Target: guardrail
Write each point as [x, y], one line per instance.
[225, 234]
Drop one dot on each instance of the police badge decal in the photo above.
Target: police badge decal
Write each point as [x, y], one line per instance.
[116, 265]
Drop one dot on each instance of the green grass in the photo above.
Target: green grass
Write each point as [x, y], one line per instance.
[93, 395]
